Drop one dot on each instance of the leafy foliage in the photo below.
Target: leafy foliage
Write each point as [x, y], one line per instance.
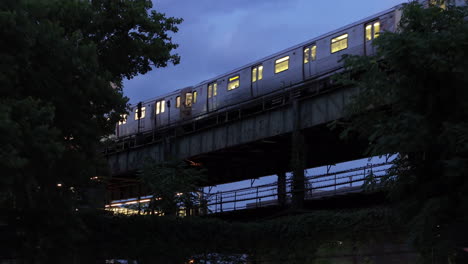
[61, 69]
[413, 102]
[291, 239]
[173, 184]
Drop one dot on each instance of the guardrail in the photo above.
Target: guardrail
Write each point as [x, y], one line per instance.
[316, 187]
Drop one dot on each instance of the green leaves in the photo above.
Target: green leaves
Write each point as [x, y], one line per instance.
[292, 239]
[412, 101]
[173, 184]
[61, 69]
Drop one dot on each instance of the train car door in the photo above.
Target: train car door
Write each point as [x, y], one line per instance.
[159, 109]
[212, 95]
[186, 104]
[257, 76]
[310, 57]
[372, 31]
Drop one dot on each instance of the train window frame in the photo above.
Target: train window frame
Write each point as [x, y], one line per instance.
[370, 31]
[335, 43]
[310, 53]
[280, 62]
[123, 119]
[177, 104]
[194, 97]
[143, 112]
[212, 89]
[188, 102]
[442, 5]
[233, 82]
[257, 73]
[160, 107]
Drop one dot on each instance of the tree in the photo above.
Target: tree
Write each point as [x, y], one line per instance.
[61, 69]
[173, 185]
[413, 102]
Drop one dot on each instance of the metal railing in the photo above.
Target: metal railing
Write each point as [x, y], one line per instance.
[315, 187]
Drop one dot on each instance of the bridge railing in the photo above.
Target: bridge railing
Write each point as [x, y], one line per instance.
[316, 187]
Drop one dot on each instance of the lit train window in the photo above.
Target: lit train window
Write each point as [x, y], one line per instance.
[212, 89]
[160, 107]
[257, 73]
[339, 43]
[177, 102]
[282, 64]
[195, 96]
[143, 110]
[441, 4]
[310, 53]
[233, 83]
[188, 99]
[376, 29]
[123, 120]
[372, 30]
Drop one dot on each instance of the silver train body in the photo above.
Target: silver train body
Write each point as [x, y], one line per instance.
[312, 59]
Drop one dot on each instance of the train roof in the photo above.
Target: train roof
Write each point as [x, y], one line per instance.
[300, 45]
[276, 54]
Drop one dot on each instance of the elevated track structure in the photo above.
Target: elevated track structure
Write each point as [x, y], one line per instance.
[245, 141]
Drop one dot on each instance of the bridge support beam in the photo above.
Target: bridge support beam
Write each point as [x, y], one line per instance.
[281, 189]
[298, 148]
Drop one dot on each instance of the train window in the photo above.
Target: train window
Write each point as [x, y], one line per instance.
[177, 102]
[212, 89]
[143, 110]
[441, 4]
[233, 83]
[188, 99]
[339, 43]
[160, 107]
[282, 64]
[257, 73]
[310, 53]
[372, 30]
[376, 29]
[195, 96]
[123, 120]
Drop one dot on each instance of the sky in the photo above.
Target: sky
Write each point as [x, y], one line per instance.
[219, 35]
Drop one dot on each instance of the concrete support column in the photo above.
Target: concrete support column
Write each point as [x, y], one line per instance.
[297, 159]
[281, 189]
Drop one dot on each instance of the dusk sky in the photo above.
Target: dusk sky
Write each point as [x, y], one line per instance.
[218, 36]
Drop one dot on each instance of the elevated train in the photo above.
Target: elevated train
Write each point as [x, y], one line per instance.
[314, 59]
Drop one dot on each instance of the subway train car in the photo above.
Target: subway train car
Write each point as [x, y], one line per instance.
[312, 59]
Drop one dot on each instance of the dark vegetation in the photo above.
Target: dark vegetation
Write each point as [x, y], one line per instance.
[414, 96]
[61, 70]
[173, 185]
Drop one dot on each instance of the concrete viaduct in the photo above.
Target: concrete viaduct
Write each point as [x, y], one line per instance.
[250, 140]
